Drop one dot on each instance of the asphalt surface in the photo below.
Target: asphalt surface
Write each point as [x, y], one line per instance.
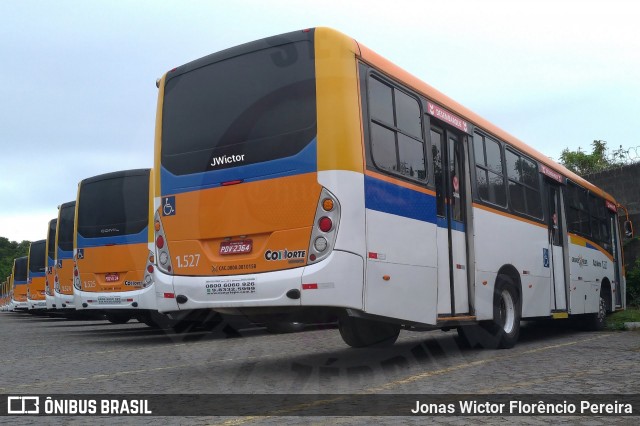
[43, 355]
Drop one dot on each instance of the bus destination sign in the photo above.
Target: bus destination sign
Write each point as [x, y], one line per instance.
[551, 174]
[447, 117]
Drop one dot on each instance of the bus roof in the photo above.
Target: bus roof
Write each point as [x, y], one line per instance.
[114, 175]
[408, 79]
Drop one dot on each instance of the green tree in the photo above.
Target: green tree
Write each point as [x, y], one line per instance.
[600, 159]
[10, 250]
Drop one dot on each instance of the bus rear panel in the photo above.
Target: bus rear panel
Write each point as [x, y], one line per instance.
[36, 275]
[20, 284]
[112, 235]
[49, 271]
[63, 270]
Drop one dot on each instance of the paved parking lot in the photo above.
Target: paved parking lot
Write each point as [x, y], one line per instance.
[42, 355]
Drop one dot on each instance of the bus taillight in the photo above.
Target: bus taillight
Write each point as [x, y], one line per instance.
[162, 249]
[325, 224]
[323, 234]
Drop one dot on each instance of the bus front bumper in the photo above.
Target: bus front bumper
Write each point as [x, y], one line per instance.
[336, 281]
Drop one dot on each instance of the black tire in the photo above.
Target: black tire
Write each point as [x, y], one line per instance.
[503, 330]
[155, 319]
[117, 318]
[361, 333]
[283, 327]
[597, 321]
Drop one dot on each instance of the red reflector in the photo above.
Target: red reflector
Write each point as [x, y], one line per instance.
[75, 272]
[373, 255]
[231, 182]
[150, 269]
[306, 30]
[169, 296]
[325, 224]
[129, 300]
[312, 257]
[309, 286]
[159, 242]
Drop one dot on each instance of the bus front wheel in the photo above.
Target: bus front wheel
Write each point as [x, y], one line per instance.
[361, 333]
[503, 330]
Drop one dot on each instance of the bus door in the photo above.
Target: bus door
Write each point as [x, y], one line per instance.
[448, 165]
[618, 301]
[554, 258]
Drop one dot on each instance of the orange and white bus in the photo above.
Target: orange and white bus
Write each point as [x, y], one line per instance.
[306, 175]
[10, 292]
[63, 251]
[36, 275]
[19, 284]
[4, 295]
[111, 246]
[49, 267]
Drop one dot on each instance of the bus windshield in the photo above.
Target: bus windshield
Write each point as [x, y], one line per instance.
[51, 238]
[122, 214]
[236, 108]
[65, 238]
[36, 256]
[20, 273]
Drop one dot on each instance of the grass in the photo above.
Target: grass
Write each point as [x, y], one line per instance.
[616, 320]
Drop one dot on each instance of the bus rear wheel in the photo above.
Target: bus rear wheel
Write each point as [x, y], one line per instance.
[155, 319]
[361, 333]
[503, 330]
[117, 318]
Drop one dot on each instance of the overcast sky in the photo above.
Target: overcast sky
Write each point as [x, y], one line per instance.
[78, 95]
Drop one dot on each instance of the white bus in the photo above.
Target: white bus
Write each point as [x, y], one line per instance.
[304, 175]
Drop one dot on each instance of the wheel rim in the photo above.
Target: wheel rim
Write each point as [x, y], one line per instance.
[507, 311]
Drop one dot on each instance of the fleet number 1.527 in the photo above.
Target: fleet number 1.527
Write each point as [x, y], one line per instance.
[188, 260]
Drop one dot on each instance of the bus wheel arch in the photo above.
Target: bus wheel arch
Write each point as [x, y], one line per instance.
[597, 321]
[503, 330]
[605, 292]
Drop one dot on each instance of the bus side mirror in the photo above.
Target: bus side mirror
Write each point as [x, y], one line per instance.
[628, 229]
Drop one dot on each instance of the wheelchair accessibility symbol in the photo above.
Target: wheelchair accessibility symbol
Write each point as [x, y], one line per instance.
[169, 206]
[80, 253]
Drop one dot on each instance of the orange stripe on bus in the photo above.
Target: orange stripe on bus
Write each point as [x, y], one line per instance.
[399, 182]
[509, 215]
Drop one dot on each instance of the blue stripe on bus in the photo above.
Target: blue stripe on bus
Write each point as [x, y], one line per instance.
[455, 225]
[140, 237]
[15, 283]
[36, 274]
[397, 200]
[64, 254]
[304, 161]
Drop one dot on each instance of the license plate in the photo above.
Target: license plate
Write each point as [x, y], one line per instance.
[111, 278]
[108, 300]
[236, 247]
